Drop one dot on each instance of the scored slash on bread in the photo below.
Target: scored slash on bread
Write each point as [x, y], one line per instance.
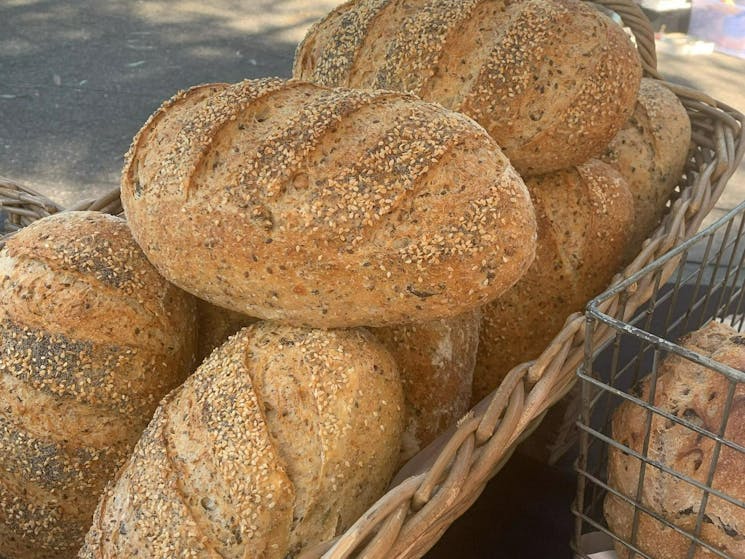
[585, 218]
[326, 207]
[650, 152]
[91, 338]
[551, 80]
[280, 440]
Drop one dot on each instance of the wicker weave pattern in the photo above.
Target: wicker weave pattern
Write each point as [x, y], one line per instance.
[20, 205]
[439, 484]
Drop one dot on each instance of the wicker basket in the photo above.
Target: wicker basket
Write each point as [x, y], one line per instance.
[440, 483]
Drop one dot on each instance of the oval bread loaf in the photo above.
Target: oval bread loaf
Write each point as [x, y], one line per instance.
[327, 208]
[699, 395]
[650, 152]
[91, 338]
[584, 221]
[435, 361]
[280, 440]
[551, 80]
[215, 325]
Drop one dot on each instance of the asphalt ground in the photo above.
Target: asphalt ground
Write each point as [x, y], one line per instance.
[79, 78]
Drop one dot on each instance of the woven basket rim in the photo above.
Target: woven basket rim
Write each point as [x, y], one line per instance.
[443, 480]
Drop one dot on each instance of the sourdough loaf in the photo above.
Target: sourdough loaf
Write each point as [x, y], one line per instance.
[215, 325]
[280, 440]
[697, 394]
[435, 361]
[91, 338]
[328, 208]
[551, 80]
[650, 152]
[584, 220]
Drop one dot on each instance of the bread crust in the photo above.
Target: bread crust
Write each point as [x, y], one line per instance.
[289, 213]
[436, 361]
[91, 337]
[280, 440]
[584, 220]
[650, 152]
[552, 81]
[698, 394]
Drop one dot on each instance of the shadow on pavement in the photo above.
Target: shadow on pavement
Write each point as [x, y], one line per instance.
[79, 78]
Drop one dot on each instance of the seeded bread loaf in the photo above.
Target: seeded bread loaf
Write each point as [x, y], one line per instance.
[650, 152]
[280, 440]
[91, 338]
[215, 325]
[699, 395]
[551, 80]
[435, 360]
[327, 208]
[584, 220]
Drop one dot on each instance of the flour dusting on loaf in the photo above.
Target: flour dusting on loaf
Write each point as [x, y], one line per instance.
[436, 361]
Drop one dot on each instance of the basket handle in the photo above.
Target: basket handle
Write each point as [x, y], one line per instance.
[109, 203]
[633, 17]
[20, 206]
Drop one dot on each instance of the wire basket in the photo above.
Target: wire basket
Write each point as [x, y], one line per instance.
[656, 440]
[441, 483]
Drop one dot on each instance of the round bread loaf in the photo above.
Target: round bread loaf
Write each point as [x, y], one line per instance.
[91, 338]
[584, 220]
[650, 152]
[215, 325]
[280, 440]
[551, 80]
[266, 198]
[699, 395]
[435, 360]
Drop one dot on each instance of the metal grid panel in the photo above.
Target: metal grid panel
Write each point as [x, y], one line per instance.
[700, 281]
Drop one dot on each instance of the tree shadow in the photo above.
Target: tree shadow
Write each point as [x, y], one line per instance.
[81, 77]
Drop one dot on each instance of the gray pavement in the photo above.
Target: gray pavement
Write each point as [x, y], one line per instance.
[79, 78]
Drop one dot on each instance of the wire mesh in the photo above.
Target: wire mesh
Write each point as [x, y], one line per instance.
[663, 478]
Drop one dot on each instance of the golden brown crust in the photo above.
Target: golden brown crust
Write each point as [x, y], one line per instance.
[584, 217]
[91, 337]
[650, 152]
[349, 33]
[435, 360]
[270, 184]
[698, 394]
[281, 439]
[552, 81]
